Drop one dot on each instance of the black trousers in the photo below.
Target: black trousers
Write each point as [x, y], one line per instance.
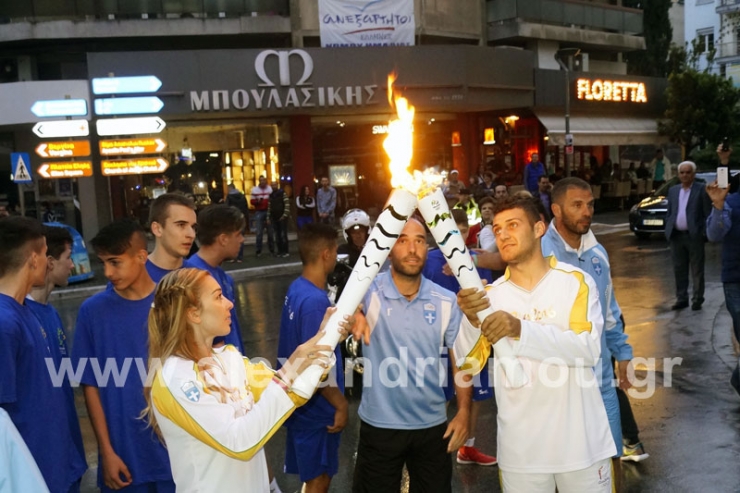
[687, 253]
[382, 453]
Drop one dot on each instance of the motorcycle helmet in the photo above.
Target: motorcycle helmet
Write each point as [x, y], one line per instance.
[354, 218]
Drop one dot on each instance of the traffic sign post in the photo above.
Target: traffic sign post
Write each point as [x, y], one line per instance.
[72, 169]
[62, 128]
[134, 166]
[126, 85]
[20, 163]
[131, 147]
[73, 148]
[130, 126]
[128, 106]
[59, 107]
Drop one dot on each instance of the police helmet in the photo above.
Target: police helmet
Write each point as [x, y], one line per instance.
[354, 218]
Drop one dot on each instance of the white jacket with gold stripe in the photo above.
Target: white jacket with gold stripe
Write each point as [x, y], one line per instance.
[216, 422]
[556, 423]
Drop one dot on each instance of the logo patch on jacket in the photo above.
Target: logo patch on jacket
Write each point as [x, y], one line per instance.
[597, 265]
[191, 391]
[430, 313]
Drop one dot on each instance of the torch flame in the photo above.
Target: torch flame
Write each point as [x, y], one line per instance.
[399, 142]
[399, 147]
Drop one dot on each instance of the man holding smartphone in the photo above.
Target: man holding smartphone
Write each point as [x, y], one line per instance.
[723, 224]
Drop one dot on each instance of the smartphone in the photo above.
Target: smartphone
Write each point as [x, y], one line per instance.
[723, 176]
[725, 144]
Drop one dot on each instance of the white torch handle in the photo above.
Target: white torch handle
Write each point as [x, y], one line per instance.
[401, 205]
[437, 215]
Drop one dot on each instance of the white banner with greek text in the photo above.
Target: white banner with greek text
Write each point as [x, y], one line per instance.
[366, 23]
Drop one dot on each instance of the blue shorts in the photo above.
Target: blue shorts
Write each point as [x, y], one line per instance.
[482, 388]
[311, 453]
[611, 403]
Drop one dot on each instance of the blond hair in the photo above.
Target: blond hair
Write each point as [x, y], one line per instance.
[170, 334]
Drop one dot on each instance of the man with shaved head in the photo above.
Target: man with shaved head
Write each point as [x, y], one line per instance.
[112, 330]
[412, 323]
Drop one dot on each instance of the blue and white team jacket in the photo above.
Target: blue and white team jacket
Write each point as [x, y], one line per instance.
[592, 258]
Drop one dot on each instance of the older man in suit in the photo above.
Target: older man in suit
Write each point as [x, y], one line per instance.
[688, 208]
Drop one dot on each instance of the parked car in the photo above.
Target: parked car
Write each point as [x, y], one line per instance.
[648, 216]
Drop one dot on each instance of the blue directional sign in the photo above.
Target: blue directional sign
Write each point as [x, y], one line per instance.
[126, 85]
[128, 106]
[20, 163]
[59, 107]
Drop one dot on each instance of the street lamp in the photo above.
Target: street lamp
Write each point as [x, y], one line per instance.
[568, 54]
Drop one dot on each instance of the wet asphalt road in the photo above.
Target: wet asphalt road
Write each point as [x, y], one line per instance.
[689, 421]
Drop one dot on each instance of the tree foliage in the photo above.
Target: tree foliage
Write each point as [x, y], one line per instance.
[701, 109]
[657, 30]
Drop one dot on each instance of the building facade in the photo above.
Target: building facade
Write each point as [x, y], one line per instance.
[246, 90]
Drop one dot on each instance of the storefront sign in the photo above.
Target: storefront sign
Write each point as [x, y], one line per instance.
[611, 90]
[74, 169]
[73, 148]
[134, 166]
[345, 23]
[281, 89]
[131, 147]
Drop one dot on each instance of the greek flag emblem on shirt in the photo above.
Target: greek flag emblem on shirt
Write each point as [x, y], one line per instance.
[430, 313]
[191, 391]
[597, 265]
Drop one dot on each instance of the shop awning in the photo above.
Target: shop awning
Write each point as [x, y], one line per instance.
[592, 130]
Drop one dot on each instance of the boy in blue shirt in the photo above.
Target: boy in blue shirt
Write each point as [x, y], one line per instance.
[312, 443]
[112, 334]
[35, 405]
[220, 236]
[59, 265]
[172, 220]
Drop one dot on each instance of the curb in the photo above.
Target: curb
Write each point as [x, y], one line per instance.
[237, 274]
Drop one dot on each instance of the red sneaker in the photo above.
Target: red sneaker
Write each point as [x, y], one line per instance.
[471, 455]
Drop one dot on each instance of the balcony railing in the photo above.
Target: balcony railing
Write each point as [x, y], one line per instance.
[45, 10]
[727, 6]
[567, 13]
[726, 50]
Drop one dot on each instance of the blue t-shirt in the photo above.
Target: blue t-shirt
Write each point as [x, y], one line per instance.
[303, 310]
[406, 363]
[112, 334]
[37, 407]
[433, 271]
[155, 272]
[57, 338]
[227, 288]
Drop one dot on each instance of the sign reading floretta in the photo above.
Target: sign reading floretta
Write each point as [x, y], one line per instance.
[611, 90]
[277, 89]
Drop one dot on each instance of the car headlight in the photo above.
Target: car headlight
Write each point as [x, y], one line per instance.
[634, 208]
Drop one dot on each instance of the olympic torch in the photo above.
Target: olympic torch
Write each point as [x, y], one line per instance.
[436, 214]
[400, 206]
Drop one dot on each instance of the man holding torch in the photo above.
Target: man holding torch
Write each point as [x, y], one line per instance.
[551, 313]
[404, 420]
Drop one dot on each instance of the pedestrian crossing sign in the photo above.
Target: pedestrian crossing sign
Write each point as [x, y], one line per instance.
[21, 167]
